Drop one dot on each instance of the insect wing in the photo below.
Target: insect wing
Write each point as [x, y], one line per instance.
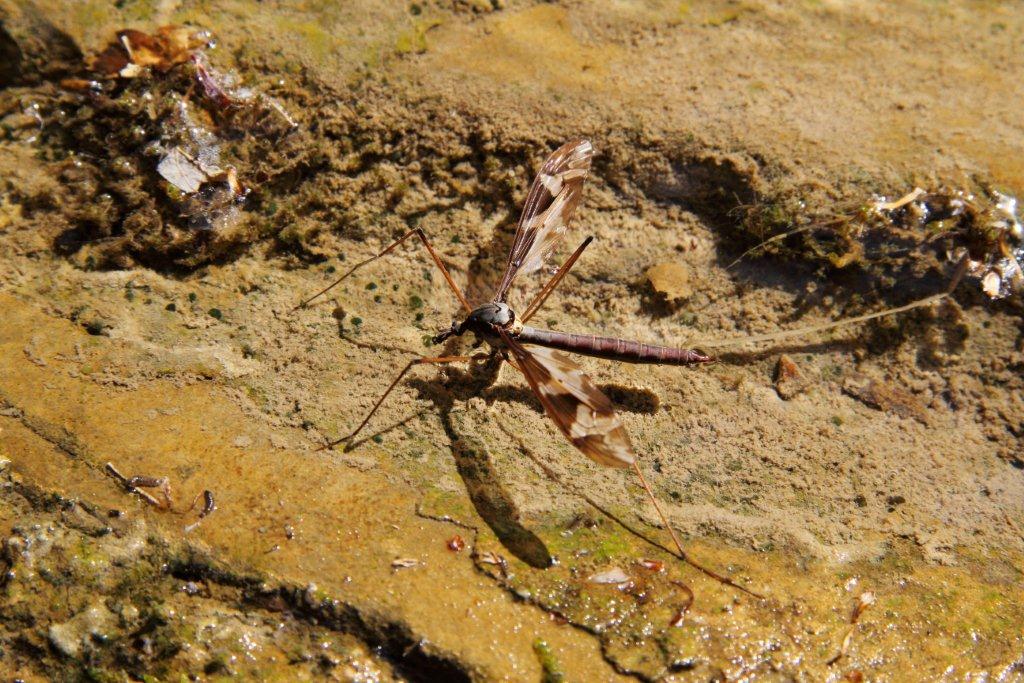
[553, 197]
[570, 399]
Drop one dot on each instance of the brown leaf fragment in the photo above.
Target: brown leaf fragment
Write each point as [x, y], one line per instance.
[80, 85]
[883, 396]
[865, 600]
[652, 565]
[789, 381]
[111, 61]
[134, 51]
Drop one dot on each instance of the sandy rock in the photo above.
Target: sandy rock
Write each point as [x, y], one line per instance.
[886, 397]
[74, 635]
[670, 281]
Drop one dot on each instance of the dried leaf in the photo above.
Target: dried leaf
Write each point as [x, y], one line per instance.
[134, 51]
[652, 565]
[865, 600]
[789, 381]
[180, 170]
[403, 563]
[614, 575]
[883, 396]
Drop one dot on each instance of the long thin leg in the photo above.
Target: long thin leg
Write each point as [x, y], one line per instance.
[433, 254]
[418, 361]
[679, 546]
[553, 282]
[958, 274]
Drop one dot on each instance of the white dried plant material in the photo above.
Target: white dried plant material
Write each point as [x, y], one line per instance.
[404, 563]
[614, 576]
[991, 284]
[180, 170]
[203, 145]
[1006, 207]
[1004, 276]
[999, 271]
[880, 204]
[491, 558]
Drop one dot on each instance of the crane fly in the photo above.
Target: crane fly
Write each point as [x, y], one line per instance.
[579, 409]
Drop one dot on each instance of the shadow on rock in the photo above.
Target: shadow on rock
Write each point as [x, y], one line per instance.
[490, 498]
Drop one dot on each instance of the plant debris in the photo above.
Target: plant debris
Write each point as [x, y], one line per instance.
[865, 600]
[161, 158]
[614, 575]
[789, 381]
[688, 599]
[494, 559]
[139, 483]
[403, 563]
[983, 225]
[885, 397]
[652, 565]
[208, 506]
[134, 51]
[980, 225]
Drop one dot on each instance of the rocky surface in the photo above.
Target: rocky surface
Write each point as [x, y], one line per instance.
[148, 322]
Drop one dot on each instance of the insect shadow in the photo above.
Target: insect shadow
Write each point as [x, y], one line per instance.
[474, 461]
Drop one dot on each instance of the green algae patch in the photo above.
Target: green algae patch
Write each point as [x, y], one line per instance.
[552, 671]
[414, 40]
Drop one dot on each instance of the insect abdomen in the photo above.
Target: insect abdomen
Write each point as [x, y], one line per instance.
[609, 347]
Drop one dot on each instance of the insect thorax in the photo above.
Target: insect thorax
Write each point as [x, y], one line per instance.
[494, 313]
[482, 322]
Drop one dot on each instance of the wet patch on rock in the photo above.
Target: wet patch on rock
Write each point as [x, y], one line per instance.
[119, 603]
[160, 158]
[657, 616]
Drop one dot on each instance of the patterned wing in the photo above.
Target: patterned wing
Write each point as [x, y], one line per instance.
[553, 198]
[570, 399]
